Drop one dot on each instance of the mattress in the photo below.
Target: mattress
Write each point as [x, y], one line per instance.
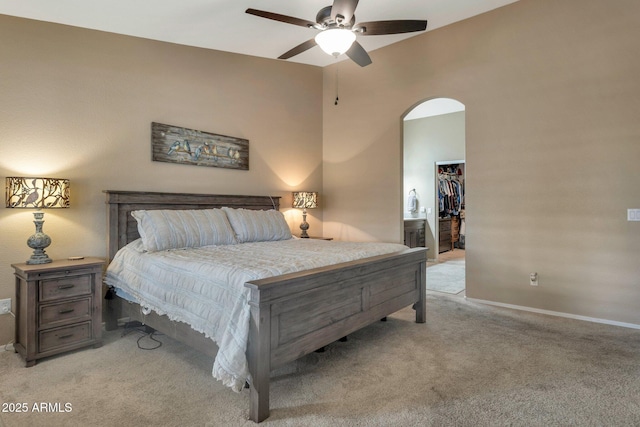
[204, 286]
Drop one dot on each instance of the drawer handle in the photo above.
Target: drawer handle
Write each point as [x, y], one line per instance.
[63, 287]
[69, 310]
[64, 337]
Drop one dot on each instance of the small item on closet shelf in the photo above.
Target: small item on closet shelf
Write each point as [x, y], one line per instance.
[75, 258]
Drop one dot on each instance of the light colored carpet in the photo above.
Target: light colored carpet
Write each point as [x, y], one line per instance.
[469, 365]
[447, 276]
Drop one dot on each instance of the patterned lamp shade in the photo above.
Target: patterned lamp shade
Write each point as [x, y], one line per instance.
[305, 200]
[37, 193]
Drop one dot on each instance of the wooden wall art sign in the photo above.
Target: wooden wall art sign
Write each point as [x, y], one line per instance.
[175, 144]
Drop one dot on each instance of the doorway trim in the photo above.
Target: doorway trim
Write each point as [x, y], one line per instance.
[454, 106]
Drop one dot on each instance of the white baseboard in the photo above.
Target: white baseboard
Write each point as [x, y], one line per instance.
[556, 313]
[7, 347]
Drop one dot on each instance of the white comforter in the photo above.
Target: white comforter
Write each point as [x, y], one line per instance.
[204, 286]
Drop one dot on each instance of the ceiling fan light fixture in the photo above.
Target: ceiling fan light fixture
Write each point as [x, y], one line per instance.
[335, 41]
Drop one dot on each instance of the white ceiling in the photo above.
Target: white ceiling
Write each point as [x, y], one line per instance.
[224, 25]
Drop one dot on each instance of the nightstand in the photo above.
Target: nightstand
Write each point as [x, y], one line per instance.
[58, 307]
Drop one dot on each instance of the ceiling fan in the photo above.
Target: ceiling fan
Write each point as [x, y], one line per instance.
[338, 30]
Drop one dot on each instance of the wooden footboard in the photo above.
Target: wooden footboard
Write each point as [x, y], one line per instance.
[295, 314]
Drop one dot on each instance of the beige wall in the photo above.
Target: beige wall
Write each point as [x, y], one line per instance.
[551, 92]
[79, 104]
[552, 95]
[427, 141]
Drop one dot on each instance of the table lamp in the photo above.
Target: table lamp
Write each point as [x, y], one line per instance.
[305, 200]
[37, 193]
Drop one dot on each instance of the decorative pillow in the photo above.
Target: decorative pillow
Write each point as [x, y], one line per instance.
[257, 225]
[173, 229]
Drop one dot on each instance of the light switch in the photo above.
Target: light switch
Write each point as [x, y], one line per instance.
[633, 214]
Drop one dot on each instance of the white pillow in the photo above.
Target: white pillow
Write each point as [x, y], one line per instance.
[173, 229]
[257, 225]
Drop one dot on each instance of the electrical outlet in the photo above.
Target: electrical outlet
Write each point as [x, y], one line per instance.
[533, 279]
[5, 306]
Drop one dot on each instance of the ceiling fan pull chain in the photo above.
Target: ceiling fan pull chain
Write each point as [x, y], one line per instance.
[337, 83]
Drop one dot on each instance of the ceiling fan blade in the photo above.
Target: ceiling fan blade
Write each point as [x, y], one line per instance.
[282, 18]
[346, 8]
[298, 49]
[378, 28]
[357, 53]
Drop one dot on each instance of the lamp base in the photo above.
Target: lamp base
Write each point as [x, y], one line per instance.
[304, 226]
[39, 257]
[38, 242]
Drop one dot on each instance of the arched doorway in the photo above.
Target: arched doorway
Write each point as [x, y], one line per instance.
[434, 176]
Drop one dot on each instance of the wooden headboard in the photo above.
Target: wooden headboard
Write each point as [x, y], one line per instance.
[123, 229]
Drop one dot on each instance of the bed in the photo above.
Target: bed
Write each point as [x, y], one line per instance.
[280, 328]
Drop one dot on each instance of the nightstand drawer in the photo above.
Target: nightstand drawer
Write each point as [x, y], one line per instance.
[65, 287]
[65, 312]
[61, 337]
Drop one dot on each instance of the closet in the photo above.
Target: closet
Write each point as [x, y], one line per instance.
[450, 186]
